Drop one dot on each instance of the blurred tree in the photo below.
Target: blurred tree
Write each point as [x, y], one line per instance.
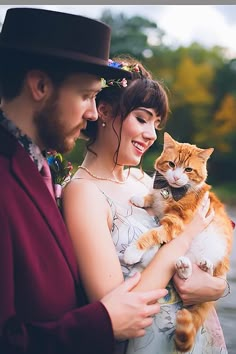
[191, 84]
[132, 35]
[224, 81]
[225, 123]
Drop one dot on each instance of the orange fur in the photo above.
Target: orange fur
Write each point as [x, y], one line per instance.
[174, 215]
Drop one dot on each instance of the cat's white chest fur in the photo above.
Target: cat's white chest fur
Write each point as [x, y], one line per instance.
[206, 250]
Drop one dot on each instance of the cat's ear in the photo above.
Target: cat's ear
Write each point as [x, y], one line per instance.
[169, 142]
[205, 153]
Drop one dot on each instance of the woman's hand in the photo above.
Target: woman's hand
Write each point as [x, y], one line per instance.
[201, 219]
[199, 287]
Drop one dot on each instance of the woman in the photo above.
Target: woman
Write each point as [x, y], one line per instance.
[102, 221]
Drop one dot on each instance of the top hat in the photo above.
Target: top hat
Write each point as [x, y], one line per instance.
[78, 40]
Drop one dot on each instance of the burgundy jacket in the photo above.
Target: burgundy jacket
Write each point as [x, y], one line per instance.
[42, 305]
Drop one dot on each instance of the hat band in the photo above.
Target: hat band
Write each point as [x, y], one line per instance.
[54, 52]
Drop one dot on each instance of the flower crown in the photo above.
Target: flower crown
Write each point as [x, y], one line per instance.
[120, 82]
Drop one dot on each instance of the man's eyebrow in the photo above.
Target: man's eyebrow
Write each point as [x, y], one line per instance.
[92, 90]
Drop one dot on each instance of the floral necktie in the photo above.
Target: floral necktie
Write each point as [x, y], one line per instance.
[47, 177]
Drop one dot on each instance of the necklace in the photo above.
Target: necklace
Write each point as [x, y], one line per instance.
[102, 178]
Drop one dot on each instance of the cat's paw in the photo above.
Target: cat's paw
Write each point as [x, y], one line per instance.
[206, 265]
[183, 267]
[132, 254]
[137, 200]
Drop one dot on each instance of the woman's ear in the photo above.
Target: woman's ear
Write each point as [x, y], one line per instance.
[39, 84]
[104, 111]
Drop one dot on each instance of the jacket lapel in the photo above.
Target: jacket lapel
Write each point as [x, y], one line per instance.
[30, 179]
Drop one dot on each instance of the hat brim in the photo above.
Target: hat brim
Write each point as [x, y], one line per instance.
[78, 61]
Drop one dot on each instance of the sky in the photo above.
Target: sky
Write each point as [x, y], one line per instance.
[208, 25]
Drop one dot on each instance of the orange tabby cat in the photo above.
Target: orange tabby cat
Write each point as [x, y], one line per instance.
[179, 186]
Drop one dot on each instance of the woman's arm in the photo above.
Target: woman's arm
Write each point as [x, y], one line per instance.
[88, 219]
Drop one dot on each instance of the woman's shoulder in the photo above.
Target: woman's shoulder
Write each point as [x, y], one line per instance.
[81, 187]
[141, 176]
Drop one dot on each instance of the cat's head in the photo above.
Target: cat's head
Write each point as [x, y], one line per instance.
[182, 163]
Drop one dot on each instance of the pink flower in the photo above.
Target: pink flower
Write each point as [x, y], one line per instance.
[124, 82]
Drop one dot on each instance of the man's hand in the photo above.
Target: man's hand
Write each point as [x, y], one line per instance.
[131, 312]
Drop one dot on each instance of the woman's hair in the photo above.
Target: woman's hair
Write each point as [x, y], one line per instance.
[141, 91]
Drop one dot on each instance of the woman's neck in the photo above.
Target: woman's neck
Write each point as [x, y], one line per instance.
[104, 167]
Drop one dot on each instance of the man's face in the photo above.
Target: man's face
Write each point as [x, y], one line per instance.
[66, 112]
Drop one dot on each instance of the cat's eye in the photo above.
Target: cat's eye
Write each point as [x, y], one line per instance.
[188, 169]
[171, 164]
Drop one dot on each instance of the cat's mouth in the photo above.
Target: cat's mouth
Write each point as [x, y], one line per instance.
[175, 185]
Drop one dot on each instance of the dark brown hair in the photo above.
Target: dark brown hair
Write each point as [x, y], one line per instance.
[15, 66]
[141, 91]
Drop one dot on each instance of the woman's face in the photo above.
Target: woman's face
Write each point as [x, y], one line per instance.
[137, 135]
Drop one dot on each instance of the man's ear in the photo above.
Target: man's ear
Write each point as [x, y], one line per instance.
[39, 84]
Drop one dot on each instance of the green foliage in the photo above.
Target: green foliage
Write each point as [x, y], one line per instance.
[76, 156]
[130, 35]
[226, 191]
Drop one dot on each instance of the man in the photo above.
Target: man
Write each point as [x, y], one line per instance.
[51, 66]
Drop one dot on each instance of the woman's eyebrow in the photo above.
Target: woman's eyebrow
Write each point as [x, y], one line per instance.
[146, 111]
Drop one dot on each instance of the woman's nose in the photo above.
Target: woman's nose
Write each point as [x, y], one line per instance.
[150, 133]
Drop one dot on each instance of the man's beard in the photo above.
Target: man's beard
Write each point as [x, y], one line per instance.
[51, 130]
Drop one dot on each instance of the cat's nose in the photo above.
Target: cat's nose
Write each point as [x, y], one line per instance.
[176, 178]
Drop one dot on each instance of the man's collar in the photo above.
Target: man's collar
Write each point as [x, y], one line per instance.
[32, 149]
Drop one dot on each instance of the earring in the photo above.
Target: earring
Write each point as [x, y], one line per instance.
[103, 124]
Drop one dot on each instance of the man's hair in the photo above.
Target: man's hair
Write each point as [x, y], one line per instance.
[14, 68]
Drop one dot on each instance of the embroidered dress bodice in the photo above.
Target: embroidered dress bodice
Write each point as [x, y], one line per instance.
[129, 222]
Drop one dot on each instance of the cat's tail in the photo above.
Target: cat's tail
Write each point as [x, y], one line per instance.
[188, 322]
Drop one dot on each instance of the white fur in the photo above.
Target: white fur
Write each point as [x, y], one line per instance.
[207, 250]
[176, 177]
[143, 261]
[138, 200]
[132, 254]
[209, 244]
[184, 267]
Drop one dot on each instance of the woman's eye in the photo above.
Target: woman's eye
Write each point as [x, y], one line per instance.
[141, 120]
[171, 164]
[188, 169]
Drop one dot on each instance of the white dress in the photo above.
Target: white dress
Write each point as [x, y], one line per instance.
[129, 222]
